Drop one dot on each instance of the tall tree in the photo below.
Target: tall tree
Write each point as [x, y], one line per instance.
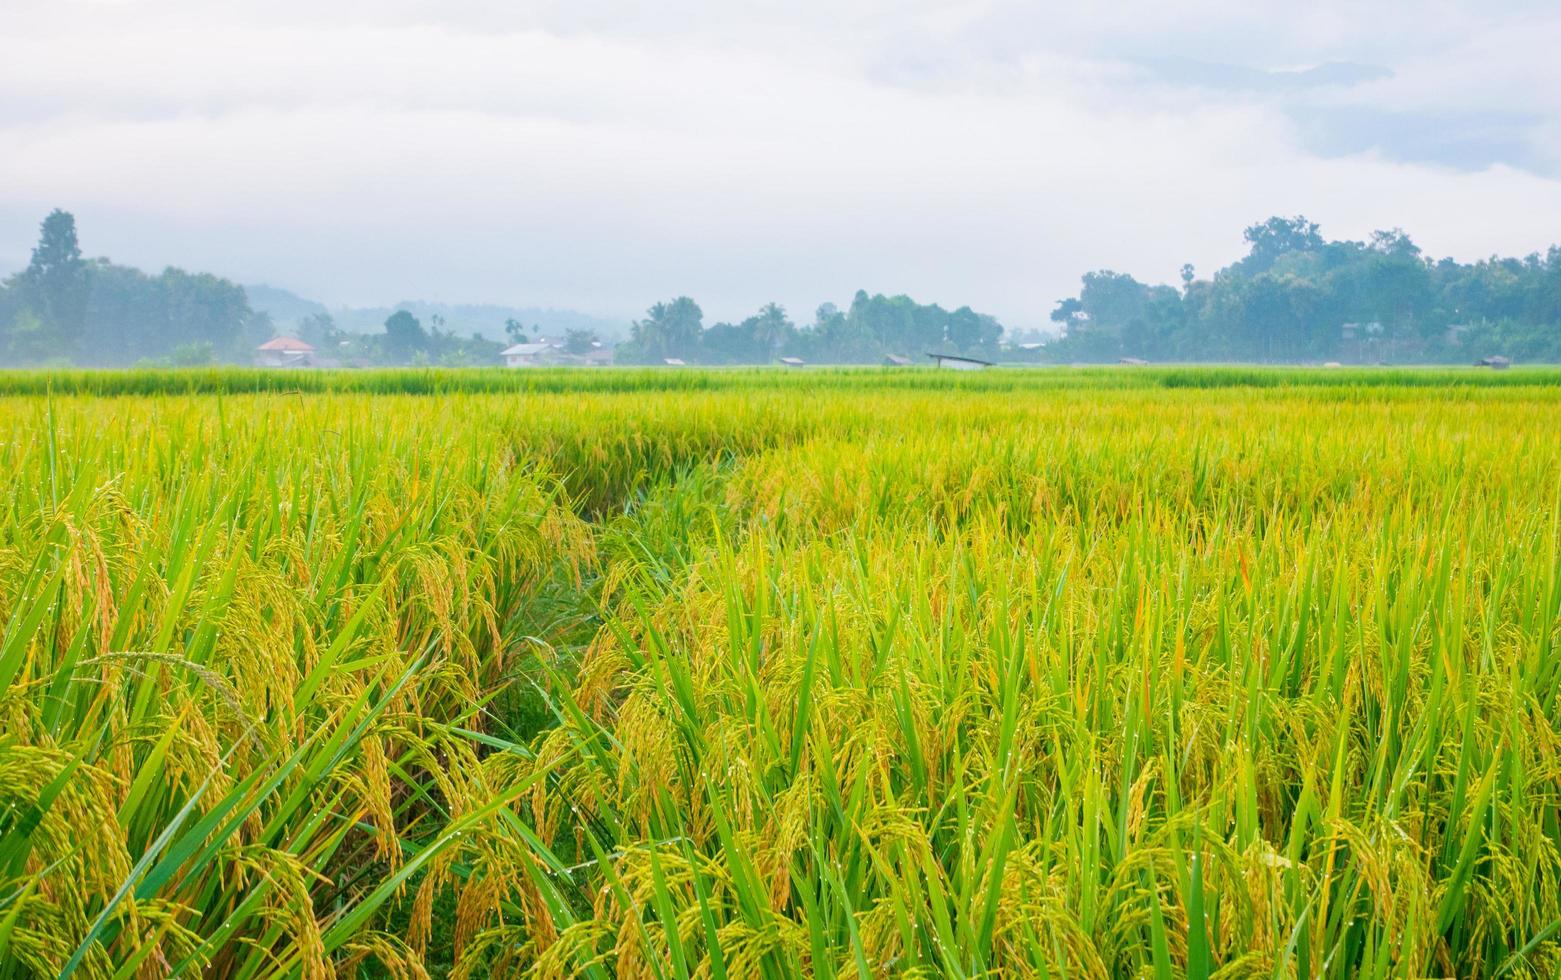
[969, 331]
[55, 283]
[1276, 237]
[1070, 314]
[1111, 299]
[669, 330]
[404, 337]
[320, 330]
[126, 314]
[770, 329]
[202, 307]
[730, 343]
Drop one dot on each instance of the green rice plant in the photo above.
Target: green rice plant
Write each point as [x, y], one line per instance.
[243, 680]
[1066, 673]
[824, 379]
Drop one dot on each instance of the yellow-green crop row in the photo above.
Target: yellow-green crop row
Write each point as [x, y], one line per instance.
[874, 675]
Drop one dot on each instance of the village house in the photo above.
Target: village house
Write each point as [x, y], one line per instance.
[555, 352]
[285, 352]
[526, 355]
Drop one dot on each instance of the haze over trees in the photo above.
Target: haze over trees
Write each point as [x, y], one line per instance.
[1296, 296]
[864, 333]
[64, 307]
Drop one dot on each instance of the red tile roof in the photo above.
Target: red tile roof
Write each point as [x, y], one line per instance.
[285, 344]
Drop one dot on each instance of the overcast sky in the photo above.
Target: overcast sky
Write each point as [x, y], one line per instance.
[600, 156]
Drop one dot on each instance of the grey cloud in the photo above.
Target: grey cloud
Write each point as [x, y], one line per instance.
[1240, 78]
[1339, 110]
[599, 156]
[1465, 141]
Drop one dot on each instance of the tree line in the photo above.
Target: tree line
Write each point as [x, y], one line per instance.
[67, 309]
[1294, 296]
[870, 329]
[64, 308]
[1297, 297]
[405, 340]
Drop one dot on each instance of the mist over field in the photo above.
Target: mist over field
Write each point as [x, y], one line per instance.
[592, 160]
[1294, 298]
[865, 489]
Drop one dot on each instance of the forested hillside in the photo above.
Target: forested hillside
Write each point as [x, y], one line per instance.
[1296, 296]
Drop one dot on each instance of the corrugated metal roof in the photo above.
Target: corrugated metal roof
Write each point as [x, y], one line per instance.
[960, 357]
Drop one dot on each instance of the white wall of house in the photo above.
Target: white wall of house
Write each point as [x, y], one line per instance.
[284, 358]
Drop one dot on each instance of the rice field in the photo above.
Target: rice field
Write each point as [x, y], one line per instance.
[725, 674]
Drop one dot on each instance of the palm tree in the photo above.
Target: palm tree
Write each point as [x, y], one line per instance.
[771, 328]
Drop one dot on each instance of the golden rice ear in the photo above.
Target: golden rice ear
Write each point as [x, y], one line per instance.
[801, 676]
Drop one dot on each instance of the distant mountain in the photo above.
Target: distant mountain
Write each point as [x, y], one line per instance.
[281, 305]
[486, 319]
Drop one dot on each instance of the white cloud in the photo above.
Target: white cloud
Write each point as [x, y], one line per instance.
[601, 157]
